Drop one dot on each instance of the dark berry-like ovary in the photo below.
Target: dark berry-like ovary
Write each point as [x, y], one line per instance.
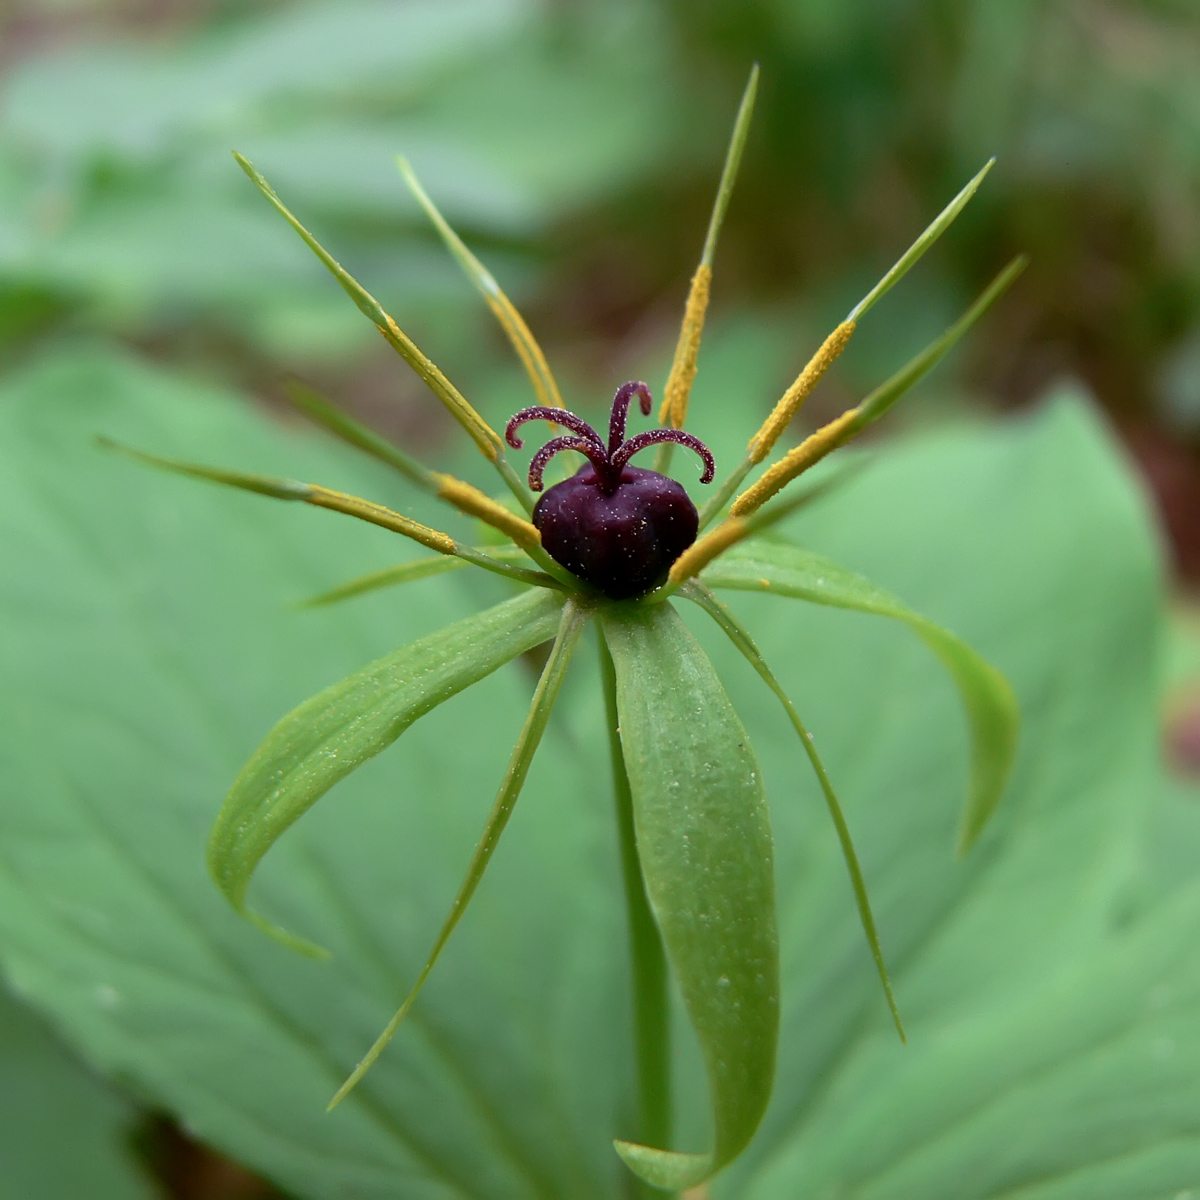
[621, 540]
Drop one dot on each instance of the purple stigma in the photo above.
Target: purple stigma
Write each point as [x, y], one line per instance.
[608, 461]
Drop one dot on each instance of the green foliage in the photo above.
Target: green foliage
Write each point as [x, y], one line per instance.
[990, 705]
[62, 1132]
[704, 841]
[117, 200]
[1046, 979]
[318, 744]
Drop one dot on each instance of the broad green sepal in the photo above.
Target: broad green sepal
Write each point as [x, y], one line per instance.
[990, 705]
[704, 840]
[327, 737]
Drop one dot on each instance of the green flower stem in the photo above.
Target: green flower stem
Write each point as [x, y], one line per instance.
[574, 617]
[737, 633]
[648, 963]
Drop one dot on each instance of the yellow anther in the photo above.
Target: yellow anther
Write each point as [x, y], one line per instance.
[795, 462]
[378, 514]
[791, 400]
[700, 553]
[683, 367]
[472, 501]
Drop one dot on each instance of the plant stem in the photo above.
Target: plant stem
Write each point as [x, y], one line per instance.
[651, 1011]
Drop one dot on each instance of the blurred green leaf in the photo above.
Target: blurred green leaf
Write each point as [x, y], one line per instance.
[62, 1131]
[146, 649]
[139, 99]
[120, 193]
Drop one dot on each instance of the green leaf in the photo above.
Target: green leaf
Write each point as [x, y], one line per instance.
[146, 646]
[740, 637]
[1062, 876]
[62, 1131]
[335, 732]
[134, 693]
[986, 695]
[704, 840]
[573, 619]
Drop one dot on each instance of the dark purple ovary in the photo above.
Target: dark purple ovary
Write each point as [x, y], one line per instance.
[614, 526]
[621, 542]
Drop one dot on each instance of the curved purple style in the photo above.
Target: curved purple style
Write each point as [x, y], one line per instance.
[609, 461]
[616, 527]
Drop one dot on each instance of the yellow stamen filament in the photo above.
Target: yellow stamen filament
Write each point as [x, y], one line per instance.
[700, 553]
[378, 514]
[795, 462]
[791, 400]
[503, 309]
[471, 500]
[483, 435]
[527, 348]
[683, 367]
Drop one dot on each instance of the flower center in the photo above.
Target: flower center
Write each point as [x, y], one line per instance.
[615, 526]
[609, 461]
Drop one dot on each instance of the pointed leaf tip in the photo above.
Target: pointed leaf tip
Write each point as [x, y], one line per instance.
[917, 250]
[573, 619]
[666, 1169]
[335, 732]
[993, 715]
[707, 867]
[740, 637]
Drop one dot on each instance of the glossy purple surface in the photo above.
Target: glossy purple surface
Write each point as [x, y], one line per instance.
[624, 542]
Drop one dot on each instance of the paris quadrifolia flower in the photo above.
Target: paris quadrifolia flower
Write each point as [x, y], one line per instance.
[617, 546]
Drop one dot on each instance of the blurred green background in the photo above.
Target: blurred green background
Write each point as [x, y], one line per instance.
[576, 144]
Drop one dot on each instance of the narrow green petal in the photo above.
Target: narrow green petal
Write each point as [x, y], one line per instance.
[342, 425]
[739, 636]
[516, 330]
[914, 253]
[990, 705]
[704, 840]
[408, 572]
[332, 734]
[571, 625]
[884, 396]
[482, 434]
